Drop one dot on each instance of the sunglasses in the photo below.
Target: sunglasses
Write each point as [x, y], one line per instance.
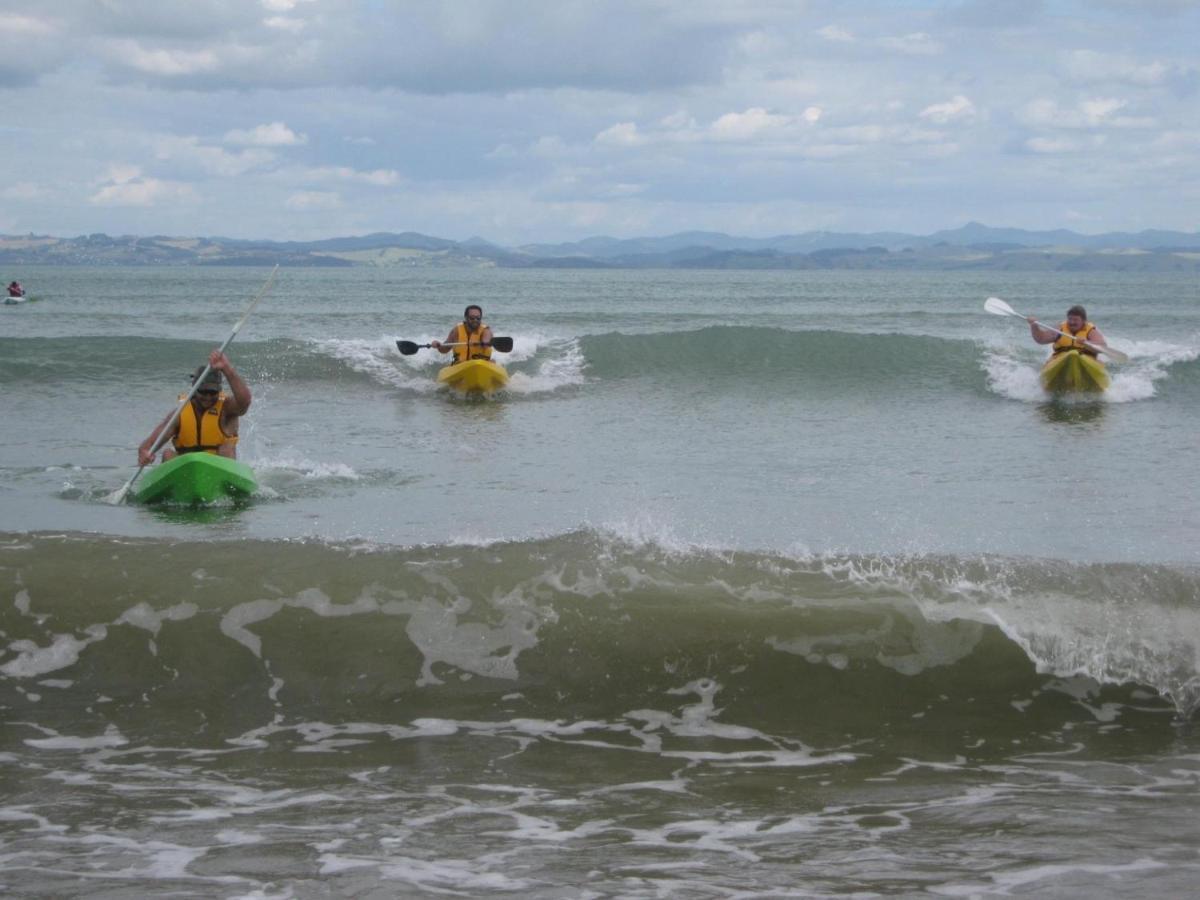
[208, 392]
[474, 318]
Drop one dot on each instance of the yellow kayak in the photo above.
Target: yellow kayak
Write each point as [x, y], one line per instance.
[1072, 371]
[475, 376]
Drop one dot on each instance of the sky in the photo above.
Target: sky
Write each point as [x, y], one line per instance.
[553, 121]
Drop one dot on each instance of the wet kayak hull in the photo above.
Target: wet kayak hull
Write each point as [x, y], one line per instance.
[1073, 372]
[475, 376]
[196, 478]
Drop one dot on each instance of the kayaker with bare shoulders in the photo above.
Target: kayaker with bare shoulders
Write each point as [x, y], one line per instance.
[208, 423]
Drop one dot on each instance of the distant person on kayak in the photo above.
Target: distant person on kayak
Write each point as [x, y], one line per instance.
[209, 421]
[15, 289]
[1076, 325]
[472, 337]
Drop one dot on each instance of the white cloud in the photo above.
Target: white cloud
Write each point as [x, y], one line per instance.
[273, 134]
[128, 187]
[212, 160]
[1052, 145]
[916, 44]
[677, 121]
[22, 190]
[1096, 112]
[307, 201]
[280, 6]
[812, 114]
[502, 151]
[836, 33]
[376, 177]
[952, 110]
[623, 134]
[549, 147]
[745, 125]
[167, 63]
[285, 23]
[1090, 66]
[120, 173]
[16, 24]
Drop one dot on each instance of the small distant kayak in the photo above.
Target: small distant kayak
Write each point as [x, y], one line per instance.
[475, 376]
[196, 478]
[1074, 372]
[13, 301]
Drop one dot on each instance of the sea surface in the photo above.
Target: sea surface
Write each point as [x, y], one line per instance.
[752, 584]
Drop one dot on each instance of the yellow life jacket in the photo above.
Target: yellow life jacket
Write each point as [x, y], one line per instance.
[1068, 343]
[209, 437]
[472, 343]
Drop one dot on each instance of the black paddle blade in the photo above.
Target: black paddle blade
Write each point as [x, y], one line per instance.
[503, 344]
[408, 348]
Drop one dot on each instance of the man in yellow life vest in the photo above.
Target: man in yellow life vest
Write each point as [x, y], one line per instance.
[209, 421]
[469, 339]
[1076, 325]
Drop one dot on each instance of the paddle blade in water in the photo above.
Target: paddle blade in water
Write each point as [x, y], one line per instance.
[503, 344]
[408, 348]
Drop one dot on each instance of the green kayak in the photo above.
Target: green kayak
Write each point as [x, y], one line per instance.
[196, 478]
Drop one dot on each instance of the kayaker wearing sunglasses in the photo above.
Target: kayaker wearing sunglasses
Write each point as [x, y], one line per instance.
[209, 421]
[1076, 325]
[472, 337]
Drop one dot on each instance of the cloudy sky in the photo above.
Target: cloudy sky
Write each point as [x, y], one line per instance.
[555, 120]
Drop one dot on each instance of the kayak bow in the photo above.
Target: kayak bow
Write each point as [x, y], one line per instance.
[474, 376]
[192, 478]
[1074, 372]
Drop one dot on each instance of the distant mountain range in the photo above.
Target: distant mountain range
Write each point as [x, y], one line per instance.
[973, 246]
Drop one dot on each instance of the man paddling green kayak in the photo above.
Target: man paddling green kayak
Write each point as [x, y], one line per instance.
[209, 421]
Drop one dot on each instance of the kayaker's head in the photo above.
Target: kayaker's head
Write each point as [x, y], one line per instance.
[473, 317]
[1076, 317]
[210, 388]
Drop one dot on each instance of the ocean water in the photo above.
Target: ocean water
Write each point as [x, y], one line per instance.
[751, 584]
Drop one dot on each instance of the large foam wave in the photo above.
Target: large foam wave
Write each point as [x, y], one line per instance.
[587, 615]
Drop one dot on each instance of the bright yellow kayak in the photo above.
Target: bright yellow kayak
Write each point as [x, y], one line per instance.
[1072, 372]
[475, 376]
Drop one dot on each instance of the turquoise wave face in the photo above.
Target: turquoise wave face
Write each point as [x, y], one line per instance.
[581, 622]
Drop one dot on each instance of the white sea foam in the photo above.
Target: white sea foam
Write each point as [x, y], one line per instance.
[379, 359]
[111, 738]
[296, 463]
[62, 651]
[537, 364]
[1004, 883]
[1013, 372]
[145, 616]
[559, 363]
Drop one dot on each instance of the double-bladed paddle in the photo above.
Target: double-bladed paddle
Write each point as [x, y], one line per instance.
[503, 344]
[119, 496]
[998, 307]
